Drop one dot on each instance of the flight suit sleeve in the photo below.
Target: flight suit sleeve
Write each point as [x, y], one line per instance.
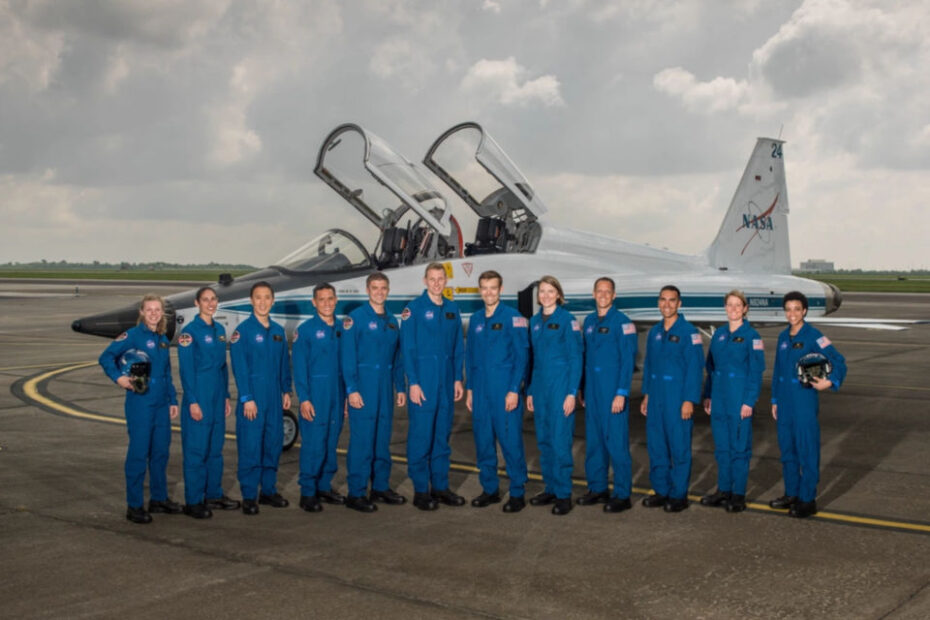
[399, 384]
[349, 356]
[694, 367]
[647, 365]
[186, 366]
[172, 392]
[627, 352]
[470, 353]
[285, 367]
[575, 355]
[108, 359]
[838, 374]
[240, 367]
[458, 352]
[520, 343]
[300, 350]
[754, 374]
[408, 346]
[709, 367]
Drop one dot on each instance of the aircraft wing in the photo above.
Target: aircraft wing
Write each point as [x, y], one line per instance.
[886, 324]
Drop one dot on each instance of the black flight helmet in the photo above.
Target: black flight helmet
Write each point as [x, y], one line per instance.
[136, 365]
[813, 365]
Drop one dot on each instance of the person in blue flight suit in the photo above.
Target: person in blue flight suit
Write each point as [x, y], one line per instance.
[610, 354]
[433, 350]
[204, 408]
[672, 376]
[262, 368]
[556, 372]
[374, 381]
[795, 406]
[496, 360]
[148, 414]
[320, 392]
[735, 363]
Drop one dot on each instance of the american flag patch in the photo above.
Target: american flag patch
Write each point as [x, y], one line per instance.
[823, 342]
[575, 326]
[757, 344]
[696, 339]
[629, 329]
[519, 321]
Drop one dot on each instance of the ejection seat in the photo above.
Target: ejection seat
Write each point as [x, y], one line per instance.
[491, 237]
[393, 245]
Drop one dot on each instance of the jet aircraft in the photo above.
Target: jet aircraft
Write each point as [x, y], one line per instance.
[506, 228]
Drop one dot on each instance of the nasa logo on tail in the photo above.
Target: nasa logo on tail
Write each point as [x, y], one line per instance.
[760, 223]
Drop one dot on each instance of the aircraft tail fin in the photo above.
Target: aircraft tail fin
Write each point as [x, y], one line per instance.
[754, 233]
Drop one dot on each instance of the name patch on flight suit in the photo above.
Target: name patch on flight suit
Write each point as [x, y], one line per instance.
[797, 345]
[497, 326]
[450, 315]
[739, 339]
[673, 338]
[391, 326]
[163, 345]
[552, 325]
[603, 330]
[277, 338]
[222, 338]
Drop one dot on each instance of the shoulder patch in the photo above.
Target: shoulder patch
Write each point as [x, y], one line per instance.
[296, 335]
[520, 321]
[696, 339]
[347, 323]
[185, 340]
[575, 326]
[757, 344]
[122, 336]
[405, 314]
[629, 329]
[823, 342]
[234, 338]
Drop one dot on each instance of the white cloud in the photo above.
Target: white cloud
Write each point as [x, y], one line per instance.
[717, 95]
[504, 81]
[492, 6]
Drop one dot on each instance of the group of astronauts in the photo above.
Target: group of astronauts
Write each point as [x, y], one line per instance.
[361, 368]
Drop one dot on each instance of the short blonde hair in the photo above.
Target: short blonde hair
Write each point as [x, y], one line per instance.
[739, 295]
[162, 326]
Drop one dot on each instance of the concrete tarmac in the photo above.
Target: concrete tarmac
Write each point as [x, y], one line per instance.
[66, 549]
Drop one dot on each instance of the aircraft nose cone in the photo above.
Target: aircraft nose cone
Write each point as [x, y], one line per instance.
[107, 324]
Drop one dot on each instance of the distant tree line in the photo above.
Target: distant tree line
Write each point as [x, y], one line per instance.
[124, 266]
[872, 272]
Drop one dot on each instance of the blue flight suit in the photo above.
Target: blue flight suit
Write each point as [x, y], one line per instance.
[205, 381]
[434, 350]
[798, 406]
[371, 366]
[262, 368]
[496, 362]
[672, 374]
[610, 354]
[318, 379]
[735, 363]
[148, 419]
[557, 362]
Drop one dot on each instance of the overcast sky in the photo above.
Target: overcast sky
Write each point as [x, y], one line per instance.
[188, 131]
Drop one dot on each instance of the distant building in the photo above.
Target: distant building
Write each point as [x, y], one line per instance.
[817, 265]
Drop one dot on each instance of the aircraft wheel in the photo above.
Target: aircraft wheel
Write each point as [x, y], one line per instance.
[291, 429]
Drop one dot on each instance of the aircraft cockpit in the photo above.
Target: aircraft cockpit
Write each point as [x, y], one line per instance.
[332, 252]
[415, 223]
[477, 169]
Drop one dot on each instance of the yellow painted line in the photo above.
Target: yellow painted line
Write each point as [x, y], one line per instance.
[29, 367]
[31, 390]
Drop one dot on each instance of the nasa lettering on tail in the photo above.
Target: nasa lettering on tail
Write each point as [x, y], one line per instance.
[754, 234]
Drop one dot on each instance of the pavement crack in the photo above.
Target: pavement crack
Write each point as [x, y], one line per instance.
[913, 595]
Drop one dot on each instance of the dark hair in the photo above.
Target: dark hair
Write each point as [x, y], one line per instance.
[490, 274]
[201, 291]
[261, 284]
[670, 287]
[323, 286]
[794, 296]
[610, 281]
